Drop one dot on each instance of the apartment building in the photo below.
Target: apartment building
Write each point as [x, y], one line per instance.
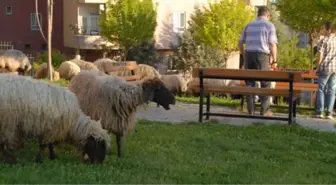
[22, 31]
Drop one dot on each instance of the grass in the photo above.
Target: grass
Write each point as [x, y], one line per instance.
[192, 153]
[235, 104]
[61, 82]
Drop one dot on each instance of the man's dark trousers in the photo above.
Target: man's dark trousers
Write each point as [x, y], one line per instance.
[257, 60]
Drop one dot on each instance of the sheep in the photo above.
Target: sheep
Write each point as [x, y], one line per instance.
[15, 61]
[68, 70]
[212, 82]
[84, 65]
[115, 100]
[48, 112]
[143, 70]
[42, 72]
[104, 64]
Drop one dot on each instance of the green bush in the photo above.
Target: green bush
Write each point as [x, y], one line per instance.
[56, 56]
[189, 54]
[145, 53]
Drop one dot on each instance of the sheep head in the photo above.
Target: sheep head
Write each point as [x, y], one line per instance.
[154, 90]
[95, 150]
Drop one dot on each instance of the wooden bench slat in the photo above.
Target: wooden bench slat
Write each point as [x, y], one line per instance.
[247, 91]
[247, 73]
[285, 85]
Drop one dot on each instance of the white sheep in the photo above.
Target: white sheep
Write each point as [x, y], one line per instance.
[15, 61]
[105, 64]
[84, 65]
[213, 82]
[48, 112]
[115, 100]
[68, 70]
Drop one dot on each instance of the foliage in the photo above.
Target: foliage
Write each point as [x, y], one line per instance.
[290, 56]
[190, 153]
[56, 57]
[145, 53]
[128, 22]
[304, 16]
[220, 24]
[328, 6]
[189, 54]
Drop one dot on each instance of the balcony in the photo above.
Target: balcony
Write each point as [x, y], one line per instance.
[93, 1]
[90, 42]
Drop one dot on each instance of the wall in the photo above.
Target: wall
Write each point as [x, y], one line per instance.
[164, 34]
[16, 27]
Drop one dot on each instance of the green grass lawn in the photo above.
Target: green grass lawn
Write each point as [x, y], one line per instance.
[192, 153]
[235, 104]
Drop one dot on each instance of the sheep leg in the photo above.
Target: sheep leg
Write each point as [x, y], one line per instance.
[38, 158]
[51, 151]
[8, 157]
[119, 144]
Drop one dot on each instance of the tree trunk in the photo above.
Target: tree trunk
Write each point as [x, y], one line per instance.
[38, 21]
[311, 53]
[125, 53]
[50, 20]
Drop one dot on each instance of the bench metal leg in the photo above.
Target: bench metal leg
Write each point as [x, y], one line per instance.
[200, 114]
[294, 107]
[207, 117]
[242, 99]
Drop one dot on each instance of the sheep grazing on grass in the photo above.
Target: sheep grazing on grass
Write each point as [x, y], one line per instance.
[115, 100]
[105, 64]
[84, 65]
[15, 61]
[68, 70]
[48, 112]
[42, 72]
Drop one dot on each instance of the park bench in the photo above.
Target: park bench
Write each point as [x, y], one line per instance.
[205, 90]
[304, 87]
[126, 66]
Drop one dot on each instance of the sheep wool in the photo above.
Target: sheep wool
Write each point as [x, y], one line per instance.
[175, 83]
[68, 69]
[15, 61]
[42, 72]
[110, 98]
[84, 65]
[105, 64]
[39, 109]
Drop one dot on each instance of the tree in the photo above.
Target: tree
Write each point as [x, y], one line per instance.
[128, 22]
[220, 24]
[328, 6]
[304, 16]
[190, 54]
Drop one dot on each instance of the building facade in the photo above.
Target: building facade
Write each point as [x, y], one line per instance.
[21, 29]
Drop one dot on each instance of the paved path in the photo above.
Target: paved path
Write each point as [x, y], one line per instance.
[182, 112]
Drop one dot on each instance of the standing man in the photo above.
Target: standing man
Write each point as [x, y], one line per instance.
[261, 49]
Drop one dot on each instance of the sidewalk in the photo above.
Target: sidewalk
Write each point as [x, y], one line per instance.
[183, 112]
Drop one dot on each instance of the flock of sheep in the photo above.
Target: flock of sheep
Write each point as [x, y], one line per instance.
[97, 102]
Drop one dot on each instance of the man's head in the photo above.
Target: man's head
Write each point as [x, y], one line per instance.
[329, 27]
[263, 11]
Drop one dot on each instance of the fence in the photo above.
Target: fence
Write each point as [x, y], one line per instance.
[4, 45]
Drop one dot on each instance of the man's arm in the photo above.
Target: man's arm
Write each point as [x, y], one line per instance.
[273, 41]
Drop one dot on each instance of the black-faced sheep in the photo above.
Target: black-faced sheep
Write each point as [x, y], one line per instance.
[115, 100]
[48, 112]
[15, 61]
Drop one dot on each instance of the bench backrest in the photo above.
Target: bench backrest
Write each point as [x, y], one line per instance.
[123, 67]
[246, 74]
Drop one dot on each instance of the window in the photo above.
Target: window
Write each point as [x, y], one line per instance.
[179, 21]
[33, 21]
[8, 10]
[90, 24]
